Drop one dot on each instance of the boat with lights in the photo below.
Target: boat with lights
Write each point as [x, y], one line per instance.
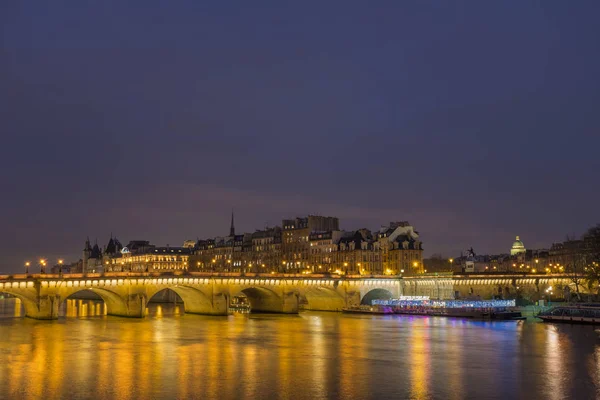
[366, 309]
[473, 309]
[572, 314]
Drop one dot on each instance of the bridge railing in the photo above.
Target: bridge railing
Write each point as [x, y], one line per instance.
[191, 274]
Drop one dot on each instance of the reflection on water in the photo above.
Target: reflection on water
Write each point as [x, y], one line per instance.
[11, 307]
[82, 308]
[314, 355]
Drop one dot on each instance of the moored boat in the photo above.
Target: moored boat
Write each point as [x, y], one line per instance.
[474, 309]
[365, 309]
[575, 314]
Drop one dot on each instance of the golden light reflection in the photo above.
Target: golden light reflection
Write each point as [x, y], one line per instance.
[354, 348]
[18, 308]
[456, 382]
[319, 364]
[125, 363]
[554, 357]
[56, 367]
[419, 368]
[313, 355]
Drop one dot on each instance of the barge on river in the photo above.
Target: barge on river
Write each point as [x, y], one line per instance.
[365, 309]
[473, 309]
[575, 314]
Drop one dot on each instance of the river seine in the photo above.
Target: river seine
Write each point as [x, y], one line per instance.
[169, 355]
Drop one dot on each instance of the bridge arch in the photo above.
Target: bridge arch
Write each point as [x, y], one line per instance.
[376, 294]
[320, 298]
[195, 301]
[116, 304]
[81, 306]
[266, 300]
[30, 305]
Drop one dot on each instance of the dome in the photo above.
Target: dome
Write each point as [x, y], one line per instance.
[517, 247]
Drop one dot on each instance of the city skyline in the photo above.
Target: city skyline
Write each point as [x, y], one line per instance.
[475, 122]
[72, 256]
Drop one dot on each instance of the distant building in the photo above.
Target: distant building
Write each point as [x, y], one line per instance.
[295, 239]
[517, 248]
[401, 249]
[92, 258]
[151, 259]
[138, 256]
[190, 244]
[314, 244]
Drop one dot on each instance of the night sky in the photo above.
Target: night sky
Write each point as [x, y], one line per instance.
[475, 121]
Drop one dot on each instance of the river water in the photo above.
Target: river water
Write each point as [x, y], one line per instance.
[169, 355]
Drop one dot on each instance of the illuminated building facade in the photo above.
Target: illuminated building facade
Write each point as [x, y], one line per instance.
[517, 248]
[401, 249]
[150, 259]
[314, 244]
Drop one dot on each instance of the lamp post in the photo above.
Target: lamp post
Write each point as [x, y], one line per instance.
[60, 264]
[42, 266]
[27, 264]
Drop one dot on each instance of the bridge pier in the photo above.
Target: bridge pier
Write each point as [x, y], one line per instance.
[45, 307]
[134, 306]
[353, 299]
[290, 303]
[218, 305]
[262, 300]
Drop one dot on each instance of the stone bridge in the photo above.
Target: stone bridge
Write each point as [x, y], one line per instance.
[127, 294]
[449, 286]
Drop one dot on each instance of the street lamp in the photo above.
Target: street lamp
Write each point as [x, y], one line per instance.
[27, 264]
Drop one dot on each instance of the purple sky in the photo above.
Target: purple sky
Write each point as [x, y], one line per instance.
[475, 121]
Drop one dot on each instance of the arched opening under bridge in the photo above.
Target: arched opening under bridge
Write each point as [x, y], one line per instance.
[84, 303]
[267, 301]
[114, 303]
[376, 294]
[11, 306]
[195, 301]
[165, 302]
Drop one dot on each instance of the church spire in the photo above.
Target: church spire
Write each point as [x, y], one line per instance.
[232, 228]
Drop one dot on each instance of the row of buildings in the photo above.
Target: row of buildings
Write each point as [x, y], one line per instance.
[312, 244]
[572, 255]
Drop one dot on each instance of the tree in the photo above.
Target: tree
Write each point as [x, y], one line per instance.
[575, 263]
[591, 244]
[592, 277]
